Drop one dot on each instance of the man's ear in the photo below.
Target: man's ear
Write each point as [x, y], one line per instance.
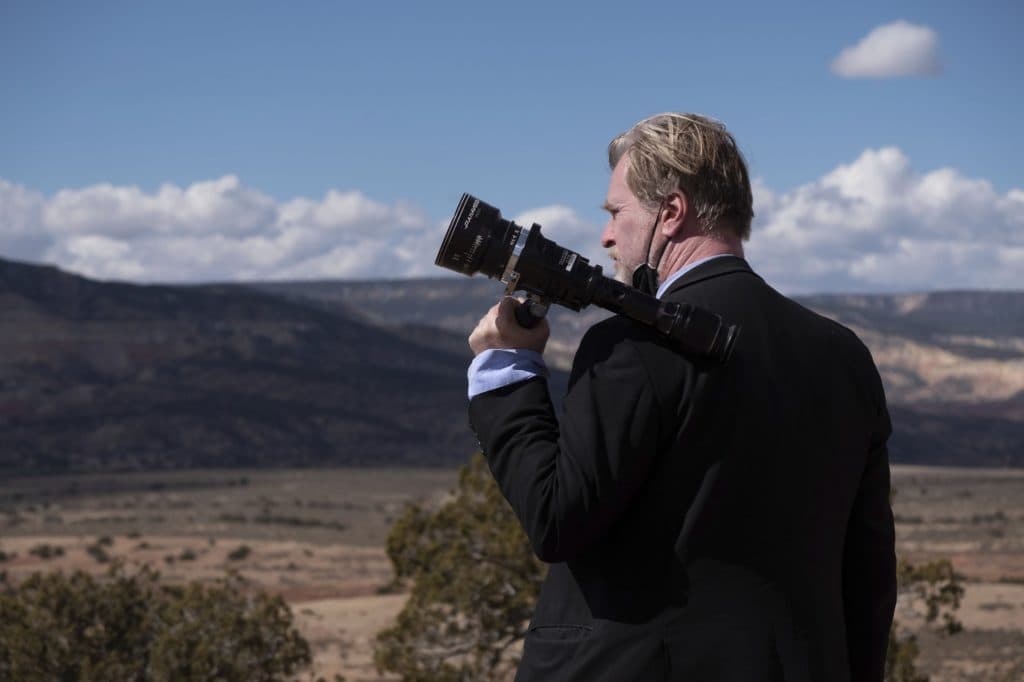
[674, 210]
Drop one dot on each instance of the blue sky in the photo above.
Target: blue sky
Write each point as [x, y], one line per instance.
[398, 108]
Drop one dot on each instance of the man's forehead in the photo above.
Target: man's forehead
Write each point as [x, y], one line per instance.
[618, 189]
[621, 167]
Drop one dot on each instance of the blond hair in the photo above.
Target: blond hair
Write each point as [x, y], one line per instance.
[693, 154]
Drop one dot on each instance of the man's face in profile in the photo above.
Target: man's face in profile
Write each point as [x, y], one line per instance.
[628, 230]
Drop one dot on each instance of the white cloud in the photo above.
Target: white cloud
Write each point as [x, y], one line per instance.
[204, 207]
[872, 224]
[214, 230]
[21, 212]
[99, 256]
[891, 51]
[876, 224]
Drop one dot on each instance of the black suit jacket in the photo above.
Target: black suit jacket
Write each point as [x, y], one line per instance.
[705, 521]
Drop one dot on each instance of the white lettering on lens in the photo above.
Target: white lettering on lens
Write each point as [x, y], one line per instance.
[472, 214]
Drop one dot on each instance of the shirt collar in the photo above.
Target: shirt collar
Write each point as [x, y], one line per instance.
[683, 270]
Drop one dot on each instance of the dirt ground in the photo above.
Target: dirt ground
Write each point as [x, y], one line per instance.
[975, 518]
[317, 538]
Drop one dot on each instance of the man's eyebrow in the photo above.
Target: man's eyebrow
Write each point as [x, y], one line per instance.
[608, 206]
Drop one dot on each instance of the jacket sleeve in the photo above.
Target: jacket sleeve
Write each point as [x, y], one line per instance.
[869, 560]
[568, 484]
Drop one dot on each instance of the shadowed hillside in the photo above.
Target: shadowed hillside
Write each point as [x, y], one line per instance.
[109, 376]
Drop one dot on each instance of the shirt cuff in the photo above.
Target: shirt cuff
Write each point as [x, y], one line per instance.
[497, 367]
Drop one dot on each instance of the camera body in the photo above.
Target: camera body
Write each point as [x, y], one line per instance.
[480, 240]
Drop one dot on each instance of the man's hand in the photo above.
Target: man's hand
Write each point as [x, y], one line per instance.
[499, 329]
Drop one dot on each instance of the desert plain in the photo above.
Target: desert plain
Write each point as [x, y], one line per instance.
[317, 538]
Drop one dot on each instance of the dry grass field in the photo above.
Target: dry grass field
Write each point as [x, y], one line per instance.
[317, 538]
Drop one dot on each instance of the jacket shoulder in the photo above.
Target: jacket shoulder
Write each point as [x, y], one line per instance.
[613, 339]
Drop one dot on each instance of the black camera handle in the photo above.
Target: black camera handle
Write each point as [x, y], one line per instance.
[529, 312]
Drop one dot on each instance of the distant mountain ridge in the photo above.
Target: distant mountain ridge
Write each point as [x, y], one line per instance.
[112, 376]
[952, 361]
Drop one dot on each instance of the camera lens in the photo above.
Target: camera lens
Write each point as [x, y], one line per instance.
[478, 239]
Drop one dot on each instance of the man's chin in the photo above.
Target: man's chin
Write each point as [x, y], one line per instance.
[621, 275]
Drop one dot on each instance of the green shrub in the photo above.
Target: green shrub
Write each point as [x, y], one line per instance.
[47, 551]
[474, 582]
[97, 552]
[130, 627]
[239, 553]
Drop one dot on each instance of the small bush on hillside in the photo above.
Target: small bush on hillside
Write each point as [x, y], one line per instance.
[97, 552]
[47, 551]
[239, 553]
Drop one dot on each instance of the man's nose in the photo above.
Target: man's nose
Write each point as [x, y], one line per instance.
[607, 237]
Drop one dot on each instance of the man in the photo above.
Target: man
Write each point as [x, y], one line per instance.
[703, 520]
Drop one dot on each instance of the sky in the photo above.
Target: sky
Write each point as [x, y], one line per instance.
[223, 141]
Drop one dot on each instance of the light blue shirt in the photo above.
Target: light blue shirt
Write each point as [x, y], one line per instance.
[497, 367]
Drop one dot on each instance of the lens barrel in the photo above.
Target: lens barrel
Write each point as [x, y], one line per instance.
[478, 239]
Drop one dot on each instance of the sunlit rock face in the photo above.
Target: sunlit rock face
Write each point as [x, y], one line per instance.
[961, 347]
